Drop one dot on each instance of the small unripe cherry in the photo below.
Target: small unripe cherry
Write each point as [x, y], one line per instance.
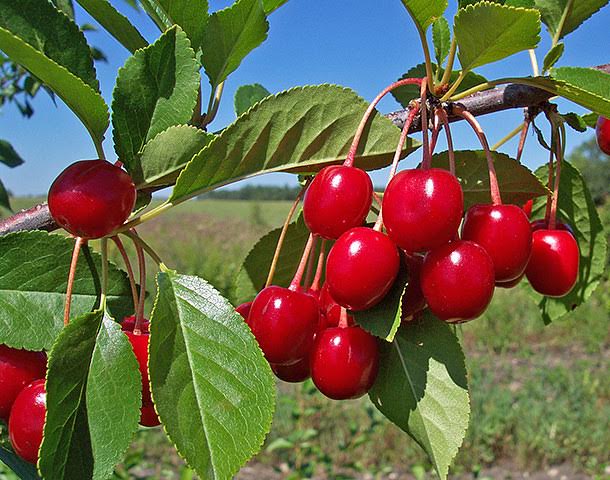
[295, 373]
[458, 281]
[339, 198]
[553, 266]
[422, 209]
[284, 323]
[504, 232]
[344, 362]
[361, 267]
[26, 422]
[91, 198]
[602, 131]
[18, 368]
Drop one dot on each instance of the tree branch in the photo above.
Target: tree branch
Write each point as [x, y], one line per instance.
[489, 101]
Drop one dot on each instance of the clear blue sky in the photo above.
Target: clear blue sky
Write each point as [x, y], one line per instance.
[359, 44]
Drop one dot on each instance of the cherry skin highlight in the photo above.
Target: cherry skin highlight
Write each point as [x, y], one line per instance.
[422, 209]
[284, 323]
[553, 267]
[458, 281]
[339, 198]
[602, 131]
[504, 232]
[91, 198]
[344, 362]
[26, 422]
[413, 300]
[295, 373]
[361, 267]
[18, 368]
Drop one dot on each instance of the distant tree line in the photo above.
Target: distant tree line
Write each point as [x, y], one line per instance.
[256, 192]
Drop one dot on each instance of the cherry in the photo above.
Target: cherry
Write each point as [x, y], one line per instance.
[361, 267]
[543, 224]
[504, 232]
[330, 311]
[602, 130]
[295, 373]
[553, 267]
[148, 416]
[413, 300]
[458, 281]
[140, 343]
[284, 323]
[344, 362]
[527, 207]
[26, 422]
[511, 283]
[244, 310]
[18, 368]
[339, 198]
[422, 209]
[91, 198]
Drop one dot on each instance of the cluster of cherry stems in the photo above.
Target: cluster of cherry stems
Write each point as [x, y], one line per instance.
[306, 330]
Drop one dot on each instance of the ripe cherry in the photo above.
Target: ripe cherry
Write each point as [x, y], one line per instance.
[26, 422]
[148, 416]
[284, 323]
[422, 209]
[18, 368]
[527, 207]
[511, 283]
[330, 310]
[295, 373]
[344, 362]
[553, 267]
[543, 224]
[361, 267]
[91, 198]
[339, 198]
[413, 300]
[458, 281]
[602, 131]
[504, 232]
[244, 310]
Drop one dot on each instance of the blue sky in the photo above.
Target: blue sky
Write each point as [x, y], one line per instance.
[359, 44]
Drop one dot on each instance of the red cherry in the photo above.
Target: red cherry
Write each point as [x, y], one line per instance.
[18, 368]
[602, 131]
[422, 209]
[140, 343]
[527, 207]
[339, 198]
[413, 300]
[458, 281]
[148, 416]
[295, 373]
[505, 233]
[244, 310]
[284, 323]
[511, 283]
[26, 422]
[543, 224]
[91, 198]
[344, 362]
[553, 267]
[330, 311]
[361, 267]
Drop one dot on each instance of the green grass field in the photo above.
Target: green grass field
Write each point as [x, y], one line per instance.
[540, 395]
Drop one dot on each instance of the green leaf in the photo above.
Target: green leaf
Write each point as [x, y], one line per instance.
[115, 23]
[23, 469]
[84, 101]
[252, 275]
[52, 34]
[487, 32]
[93, 400]
[213, 389]
[156, 89]
[575, 121]
[65, 6]
[517, 183]
[383, 319]
[441, 36]
[590, 119]
[425, 12]
[230, 35]
[299, 130]
[577, 208]
[247, 95]
[553, 10]
[271, 5]
[8, 155]
[33, 277]
[553, 56]
[406, 93]
[4, 200]
[164, 157]
[190, 15]
[422, 388]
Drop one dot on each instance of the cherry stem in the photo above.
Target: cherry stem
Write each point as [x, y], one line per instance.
[343, 318]
[436, 130]
[280, 241]
[71, 275]
[496, 198]
[427, 163]
[104, 248]
[137, 329]
[315, 285]
[377, 199]
[440, 112]
[559, 156]
[522, 138]
[349, 160]
[296, 281]
[547, 213]
[309, 271]
[146, 247]
[132, 282]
